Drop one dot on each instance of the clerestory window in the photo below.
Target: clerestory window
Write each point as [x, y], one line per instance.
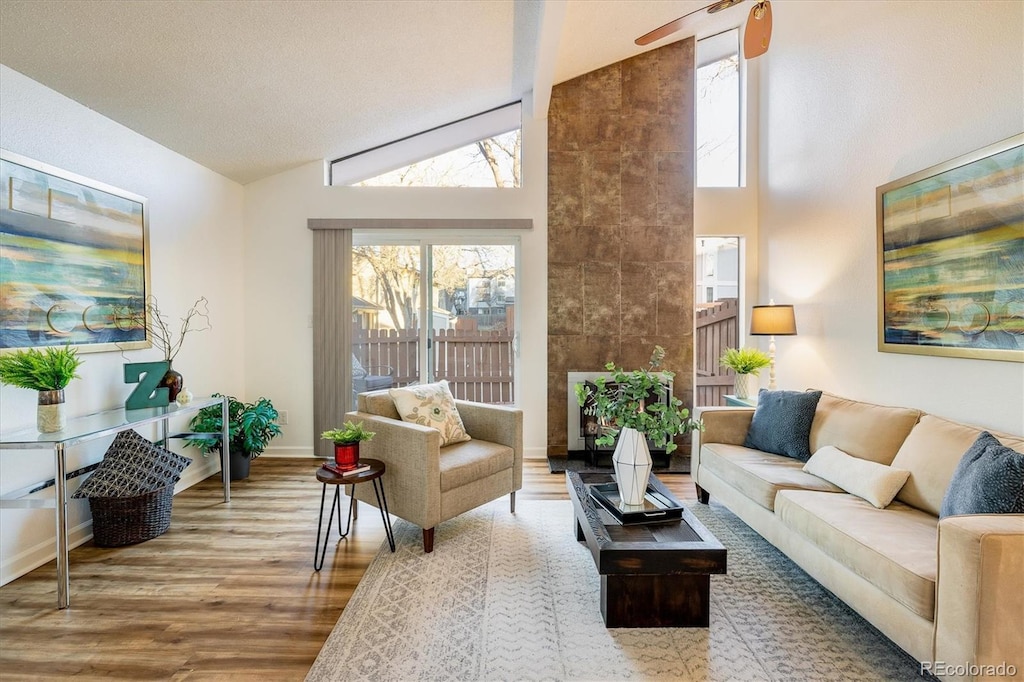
[490, 162]
[718, 111]
[484, 150]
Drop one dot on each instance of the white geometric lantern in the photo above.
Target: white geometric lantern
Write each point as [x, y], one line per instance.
[632, 460]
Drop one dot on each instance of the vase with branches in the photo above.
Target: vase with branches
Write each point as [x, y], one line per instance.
[168, 337]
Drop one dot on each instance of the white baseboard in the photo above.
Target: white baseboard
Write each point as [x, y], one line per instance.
[304, 452]
[42, 553]
[535, 453]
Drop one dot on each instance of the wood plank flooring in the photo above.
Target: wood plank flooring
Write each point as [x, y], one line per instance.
[229, 593]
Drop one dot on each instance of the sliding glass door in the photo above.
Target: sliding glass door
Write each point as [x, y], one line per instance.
[431, 309]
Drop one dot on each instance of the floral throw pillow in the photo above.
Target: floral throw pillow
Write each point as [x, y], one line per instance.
[431, 405]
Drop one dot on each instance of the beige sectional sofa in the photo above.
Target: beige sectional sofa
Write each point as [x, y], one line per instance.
[949, 592]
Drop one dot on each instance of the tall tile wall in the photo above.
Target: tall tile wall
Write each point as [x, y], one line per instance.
[620, 222]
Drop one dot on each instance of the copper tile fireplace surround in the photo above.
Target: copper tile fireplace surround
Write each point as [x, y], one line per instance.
[620, 224]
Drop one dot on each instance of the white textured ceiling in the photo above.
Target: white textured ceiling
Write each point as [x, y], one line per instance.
[249, 88]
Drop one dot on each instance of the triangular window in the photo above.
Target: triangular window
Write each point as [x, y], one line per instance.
[484, 150]
[490, 162]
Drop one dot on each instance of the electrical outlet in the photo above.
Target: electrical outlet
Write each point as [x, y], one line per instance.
[282, 417]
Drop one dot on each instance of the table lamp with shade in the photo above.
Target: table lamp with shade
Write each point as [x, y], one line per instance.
[772, 320]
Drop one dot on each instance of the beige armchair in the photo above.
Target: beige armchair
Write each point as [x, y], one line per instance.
[427, 484]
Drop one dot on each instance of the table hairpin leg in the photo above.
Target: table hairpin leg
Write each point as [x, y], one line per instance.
[319, 554]
[382, 503]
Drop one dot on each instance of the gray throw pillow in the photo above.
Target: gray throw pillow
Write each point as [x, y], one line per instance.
[782, 423]
[988, 480]
[132, 465]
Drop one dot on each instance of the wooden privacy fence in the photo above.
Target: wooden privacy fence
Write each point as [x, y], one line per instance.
[717, 328]
[479, 365]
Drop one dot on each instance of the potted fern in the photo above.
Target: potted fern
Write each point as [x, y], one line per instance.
[635, 406]
[251, 427]
[747, 363]
[47, 371]
[346, 443]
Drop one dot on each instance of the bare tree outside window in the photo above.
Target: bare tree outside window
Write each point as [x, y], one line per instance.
[491, 162]
[718, 123]
[389, 276]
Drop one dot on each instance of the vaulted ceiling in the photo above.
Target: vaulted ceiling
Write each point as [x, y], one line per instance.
[250, 89]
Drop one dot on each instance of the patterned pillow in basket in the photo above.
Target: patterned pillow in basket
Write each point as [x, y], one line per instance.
[131, 466]
[431, 405]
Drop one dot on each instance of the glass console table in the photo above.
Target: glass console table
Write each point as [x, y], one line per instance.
[86, 428]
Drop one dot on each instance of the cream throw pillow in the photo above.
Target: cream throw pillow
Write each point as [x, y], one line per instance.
[431, 405]
[874, 482]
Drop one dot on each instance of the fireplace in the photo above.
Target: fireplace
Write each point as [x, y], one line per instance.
[583, 429]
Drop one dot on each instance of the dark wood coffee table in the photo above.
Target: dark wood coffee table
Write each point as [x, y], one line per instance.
[653, 575]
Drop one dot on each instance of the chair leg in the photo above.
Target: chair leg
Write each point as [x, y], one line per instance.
[702, 495]
[513, 501]
[428, 540]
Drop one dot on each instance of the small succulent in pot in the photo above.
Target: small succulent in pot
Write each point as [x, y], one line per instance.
[346, 442]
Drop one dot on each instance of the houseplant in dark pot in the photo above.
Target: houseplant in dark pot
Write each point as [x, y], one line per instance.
[251, 427]
[47, 371]
[346, 443]
[634, 407]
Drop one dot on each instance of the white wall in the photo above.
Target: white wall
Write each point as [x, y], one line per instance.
[853, 95]
[278, 287]
[195, 242]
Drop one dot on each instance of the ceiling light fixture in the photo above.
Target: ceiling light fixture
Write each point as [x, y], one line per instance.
[756, 35]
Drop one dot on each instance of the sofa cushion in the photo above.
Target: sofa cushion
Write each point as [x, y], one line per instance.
[931, 453]
[431, 405]
[759, 475]
[864, 430]
[870, 481]
[782, 422]
[894, 549]
[471, 461]
[988, 480]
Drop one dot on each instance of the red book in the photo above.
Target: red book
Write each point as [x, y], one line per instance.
[335, 469]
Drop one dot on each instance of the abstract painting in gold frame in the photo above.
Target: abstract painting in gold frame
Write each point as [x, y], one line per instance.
[951, 257]
[74, 260]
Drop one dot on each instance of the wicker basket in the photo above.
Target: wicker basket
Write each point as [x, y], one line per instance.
[118, 521]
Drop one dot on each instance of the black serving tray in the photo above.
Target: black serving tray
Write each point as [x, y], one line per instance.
[657, 508]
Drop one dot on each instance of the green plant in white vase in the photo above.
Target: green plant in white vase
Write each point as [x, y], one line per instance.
[635, 406]
[747, 363]
[47, 371]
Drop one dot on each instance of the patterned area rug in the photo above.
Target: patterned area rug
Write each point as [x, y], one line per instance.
[516, 597]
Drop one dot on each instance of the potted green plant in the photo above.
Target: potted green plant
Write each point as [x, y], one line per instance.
[46, 371]
[251, 426]
[346, 443]
[635, 407]
[747, 363]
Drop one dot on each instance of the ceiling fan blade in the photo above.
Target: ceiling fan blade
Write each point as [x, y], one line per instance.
[676, 24]
[758, 31]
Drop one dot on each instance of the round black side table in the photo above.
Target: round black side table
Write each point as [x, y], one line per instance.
[373, 474]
